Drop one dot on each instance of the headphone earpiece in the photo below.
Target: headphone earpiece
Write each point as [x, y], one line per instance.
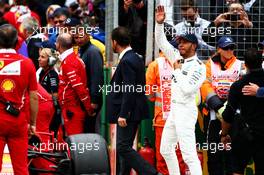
[52, 61]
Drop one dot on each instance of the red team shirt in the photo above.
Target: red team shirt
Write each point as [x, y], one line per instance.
[17, 77]
[72, 86]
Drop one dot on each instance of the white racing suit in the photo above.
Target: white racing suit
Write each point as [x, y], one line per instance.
[180, 125]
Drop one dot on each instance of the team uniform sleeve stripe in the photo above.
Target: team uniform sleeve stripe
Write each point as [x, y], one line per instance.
[72, 72]
[77, 84]
[84, 98]
[72, 76]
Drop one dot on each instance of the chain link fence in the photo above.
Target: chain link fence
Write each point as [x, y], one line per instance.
[210, 19]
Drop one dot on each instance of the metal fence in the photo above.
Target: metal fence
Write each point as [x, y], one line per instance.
[207, 32]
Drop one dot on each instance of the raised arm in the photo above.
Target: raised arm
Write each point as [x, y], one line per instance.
[169, 51]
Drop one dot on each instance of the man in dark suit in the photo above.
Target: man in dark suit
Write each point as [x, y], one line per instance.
[127, 103]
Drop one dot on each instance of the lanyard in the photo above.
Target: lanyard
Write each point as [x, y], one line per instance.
[45, 74]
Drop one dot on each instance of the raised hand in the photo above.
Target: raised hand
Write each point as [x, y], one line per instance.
[127, 4]
[244, 19]
[221, 19]
[160, 14]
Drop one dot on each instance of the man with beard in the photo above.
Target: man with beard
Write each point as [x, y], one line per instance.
[128, 106]
[192, 22]
[188, 77]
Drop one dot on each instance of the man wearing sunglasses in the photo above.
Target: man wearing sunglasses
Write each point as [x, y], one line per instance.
[192, 22]
[59, 17]
[222, 70]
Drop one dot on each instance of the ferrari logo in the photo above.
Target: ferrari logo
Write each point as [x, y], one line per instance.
[2, 64]
[7, 85]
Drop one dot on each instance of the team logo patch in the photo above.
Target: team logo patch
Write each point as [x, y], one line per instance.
[12, 68]
[8, 85]
[2, 64]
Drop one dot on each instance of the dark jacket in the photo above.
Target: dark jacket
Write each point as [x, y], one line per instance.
[130, 103]
[49, 80]
[260, 92]
[136, 22]
[251, 107]
[93, 61]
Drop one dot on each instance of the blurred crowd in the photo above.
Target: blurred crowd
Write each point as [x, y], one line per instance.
[33, 26]
[50, 32]
[240, 19]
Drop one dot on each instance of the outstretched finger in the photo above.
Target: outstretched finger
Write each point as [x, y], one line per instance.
[245, 88]
[252, 84]
[162, 8]
[246, 93]
[158, 8]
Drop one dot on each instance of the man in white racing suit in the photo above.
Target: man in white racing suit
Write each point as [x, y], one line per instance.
[188, 76]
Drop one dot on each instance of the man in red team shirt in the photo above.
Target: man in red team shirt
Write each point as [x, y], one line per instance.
[17, 78]
[73, 92]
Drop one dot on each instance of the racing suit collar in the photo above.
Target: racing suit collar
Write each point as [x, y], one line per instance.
[7, 51]
[190, 59]
[65, 54]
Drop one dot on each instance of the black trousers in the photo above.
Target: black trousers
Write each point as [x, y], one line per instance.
[245, 150]
[90, 121]
[128, 157]
[219, 161]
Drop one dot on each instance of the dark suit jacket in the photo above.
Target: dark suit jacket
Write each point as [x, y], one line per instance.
[130, 101]
[135, 21]
[93, 61]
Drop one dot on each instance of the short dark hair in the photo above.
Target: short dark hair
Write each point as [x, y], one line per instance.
[186, 4]
[253, 58]
[61, 12]
[85, 27]
[121, 35]
[8, 36]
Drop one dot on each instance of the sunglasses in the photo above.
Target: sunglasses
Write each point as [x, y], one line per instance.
[59, 21]
[229, 47]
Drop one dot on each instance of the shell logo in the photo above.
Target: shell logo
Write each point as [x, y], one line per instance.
[7, 85]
